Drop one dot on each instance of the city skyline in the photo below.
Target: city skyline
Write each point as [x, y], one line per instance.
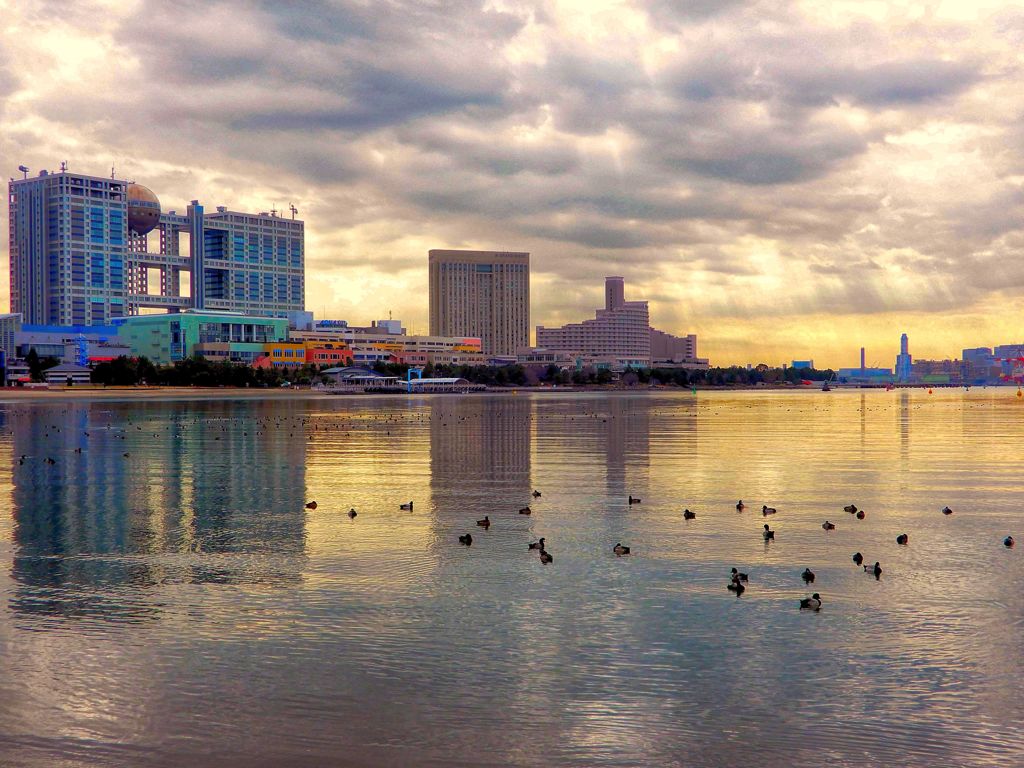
[785, 183]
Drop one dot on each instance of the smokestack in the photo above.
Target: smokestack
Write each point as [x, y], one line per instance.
[904, 345]
[862, 358]
[614, 292]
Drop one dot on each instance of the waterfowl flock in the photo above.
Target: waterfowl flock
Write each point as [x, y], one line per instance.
[738, 581]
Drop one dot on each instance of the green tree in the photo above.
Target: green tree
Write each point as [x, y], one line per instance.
[35, 368]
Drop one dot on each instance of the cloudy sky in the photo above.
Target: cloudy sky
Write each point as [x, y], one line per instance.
[785, 179]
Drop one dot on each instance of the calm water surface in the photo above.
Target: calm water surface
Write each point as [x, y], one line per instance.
[178, 605]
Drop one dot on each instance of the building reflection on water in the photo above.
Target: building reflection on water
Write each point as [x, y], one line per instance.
[480, 449]
[209, 492]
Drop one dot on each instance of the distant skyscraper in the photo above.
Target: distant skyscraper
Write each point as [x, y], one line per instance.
[904, 362]
[80, 255]
[482, 294]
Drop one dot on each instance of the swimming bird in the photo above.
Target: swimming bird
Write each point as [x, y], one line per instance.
[537, 544]
[766, 510]
[828, 526]
[737, 587]
[536, 494]
[947, 511]
[311, 505]
[902, 538]
[875, 569]
[406, 506]
[851, 508]
[351, 513]
[545, 557]
[618, 549]
[769, 534]
[1008, 541]
[808, 576]
[525, 511]
[467, 539]
[740, 506]
[860, 514]
[633, 501]
[858, 558]
[812, 603]
[737, 576]
[688, 515]
[485, 523]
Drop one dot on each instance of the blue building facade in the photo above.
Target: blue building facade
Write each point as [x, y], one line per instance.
[68, 249]
[87, 250]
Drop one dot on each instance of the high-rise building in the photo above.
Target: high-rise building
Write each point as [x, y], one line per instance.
[619, 333]
[85, 250]
[904, 362]
[482, 294]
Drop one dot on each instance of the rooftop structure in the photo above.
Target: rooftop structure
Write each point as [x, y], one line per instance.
[482, 294]
[85, 250]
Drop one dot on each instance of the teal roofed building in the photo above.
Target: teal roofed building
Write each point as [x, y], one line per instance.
[167, 338]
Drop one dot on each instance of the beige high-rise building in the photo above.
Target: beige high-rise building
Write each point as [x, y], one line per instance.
[482, 294]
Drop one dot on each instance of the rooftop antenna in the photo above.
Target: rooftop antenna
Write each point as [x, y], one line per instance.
[273, 212]
[24, 171]
[63, 166]
[112, 176]
[293, 209]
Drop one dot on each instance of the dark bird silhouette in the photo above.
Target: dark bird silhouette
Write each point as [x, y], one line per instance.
[545, 557]
[467, 539]
[352, 513]
[860, 514]
[737, 576]
[1008, 541]
[740, 506]
[620, 550]
[406, 506]
[812, 603]
[537, 544]
[688, 515]
[828, 526]
[902, 538]
[947, 511]
[536, 494]
[633, 501]
[769, 534]
[525, 511]
[851, 508]
[858, 558]
[875, 570]
[485, 523]
[737, 587]
[311, 505]
[766, 510]
[808, 576]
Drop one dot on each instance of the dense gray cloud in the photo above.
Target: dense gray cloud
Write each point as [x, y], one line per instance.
[709, 151]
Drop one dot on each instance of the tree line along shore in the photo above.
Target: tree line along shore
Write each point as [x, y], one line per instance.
[200, 372]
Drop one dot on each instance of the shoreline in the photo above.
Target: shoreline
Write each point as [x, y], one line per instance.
[16, 394]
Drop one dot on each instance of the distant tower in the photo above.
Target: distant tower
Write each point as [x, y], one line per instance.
[862, 359]
[614, 292]
[903, 360]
